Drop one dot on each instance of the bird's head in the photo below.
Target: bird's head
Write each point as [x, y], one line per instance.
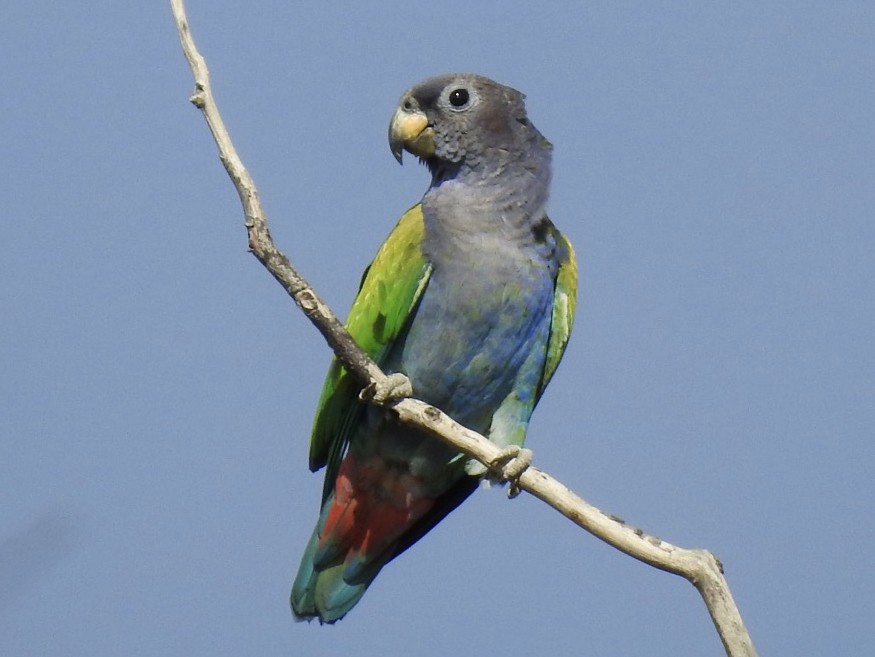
[463, 121]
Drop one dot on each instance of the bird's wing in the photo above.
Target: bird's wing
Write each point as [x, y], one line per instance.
[390, 288]
[564, 304]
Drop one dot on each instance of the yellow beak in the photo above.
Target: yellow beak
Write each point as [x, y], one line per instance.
[409, 130]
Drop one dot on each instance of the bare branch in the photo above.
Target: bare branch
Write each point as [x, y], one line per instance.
[698, 566]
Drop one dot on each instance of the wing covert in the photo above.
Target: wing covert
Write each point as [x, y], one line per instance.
[390, 288]
[564, 305]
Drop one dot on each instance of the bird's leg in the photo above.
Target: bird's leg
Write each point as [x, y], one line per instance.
[394, 386]
[510, 464]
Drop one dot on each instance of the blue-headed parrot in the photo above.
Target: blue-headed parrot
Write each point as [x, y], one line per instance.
[472, 297]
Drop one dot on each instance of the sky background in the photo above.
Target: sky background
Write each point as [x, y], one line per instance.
[715, 169]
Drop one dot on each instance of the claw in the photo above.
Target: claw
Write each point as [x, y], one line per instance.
[394, 386]
[510, 465]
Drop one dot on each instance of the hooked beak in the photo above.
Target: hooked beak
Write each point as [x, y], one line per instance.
[410, 131]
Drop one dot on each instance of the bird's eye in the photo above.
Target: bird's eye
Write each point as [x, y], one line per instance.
[459, 97]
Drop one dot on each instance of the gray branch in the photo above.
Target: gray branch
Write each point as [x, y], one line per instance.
[698, 566]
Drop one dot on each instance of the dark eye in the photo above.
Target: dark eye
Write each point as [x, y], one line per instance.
[459, 97]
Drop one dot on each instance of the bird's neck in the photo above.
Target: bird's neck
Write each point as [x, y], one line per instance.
[494, 208]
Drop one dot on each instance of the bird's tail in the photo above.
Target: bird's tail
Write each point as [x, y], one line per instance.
[323, 594]
[372, 515]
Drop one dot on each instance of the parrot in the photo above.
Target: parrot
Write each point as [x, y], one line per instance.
[472, 298]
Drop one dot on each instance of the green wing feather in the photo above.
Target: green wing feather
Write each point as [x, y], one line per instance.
[564, 304]
[390, 288]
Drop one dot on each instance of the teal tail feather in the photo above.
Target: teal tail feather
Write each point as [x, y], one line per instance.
[320, 590]
[336, 571]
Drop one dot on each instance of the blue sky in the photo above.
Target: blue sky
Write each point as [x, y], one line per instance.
[713, 166]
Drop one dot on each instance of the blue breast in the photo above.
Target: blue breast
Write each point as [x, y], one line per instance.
[472, 332]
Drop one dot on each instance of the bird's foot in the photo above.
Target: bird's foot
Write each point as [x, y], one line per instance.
[394, 386]
[510, 465]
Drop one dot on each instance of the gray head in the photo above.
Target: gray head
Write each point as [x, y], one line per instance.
[462, 123]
